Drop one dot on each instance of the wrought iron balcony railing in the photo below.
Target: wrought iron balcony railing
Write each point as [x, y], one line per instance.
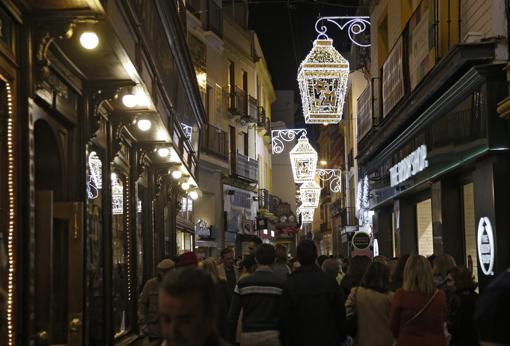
[244, 167]
[214, 141]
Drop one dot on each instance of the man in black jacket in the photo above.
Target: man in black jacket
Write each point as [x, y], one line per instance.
[313, 310]
[258, 295]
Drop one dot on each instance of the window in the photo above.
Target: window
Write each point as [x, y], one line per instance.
[4, 265]
[246, 143]
[470, 228]
[424, 227]
[139, 231]
[382, 40]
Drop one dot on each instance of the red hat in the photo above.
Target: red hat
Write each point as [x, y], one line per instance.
[187, 259]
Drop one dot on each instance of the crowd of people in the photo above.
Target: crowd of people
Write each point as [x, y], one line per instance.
[266, 299]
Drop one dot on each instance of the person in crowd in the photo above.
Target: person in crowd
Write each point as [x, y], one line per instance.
[397, 276]
[357, 268]
[381, 258]
[222, 295]
[442, 264]
[369, 304]
[227, 270]
[187, 259]
[321, 260]
[148, 319]
[280, 266]
[294, 264]
[331, 267]
[431, 259]
[491, 316]
[418, 310]
[258, 295]
[313, 310]
[253, 244]
[248, 266]
[187, 309]
[461, 307]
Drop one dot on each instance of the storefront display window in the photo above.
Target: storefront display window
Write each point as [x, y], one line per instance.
[95, 241]
[470, 228]
[184, 242]
[186, 208]
[120, 253]
[139, 232]
[424, 227]
[4, 263]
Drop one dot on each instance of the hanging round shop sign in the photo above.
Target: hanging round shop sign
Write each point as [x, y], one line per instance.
[361, 240]
[485, 242]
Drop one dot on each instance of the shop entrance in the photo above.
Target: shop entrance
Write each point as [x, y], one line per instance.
[58, 248]
[424, 227]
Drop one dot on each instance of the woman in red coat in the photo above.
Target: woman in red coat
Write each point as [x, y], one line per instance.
[418, 310]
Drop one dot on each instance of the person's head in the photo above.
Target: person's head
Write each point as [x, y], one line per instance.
[264, 255]
[382, 259]
[248, 264]
[321, 259]
[418, 275]
[377, 277]
[209, 266]
[306, 252]
[331, 267]
[397, 277]
[227, 257]
[187, 307]
[357, 268]
[164, 266]
[187, 259]
[442, 264]
[460, 278]
[280, 253]
[253, 244]
[344, 265]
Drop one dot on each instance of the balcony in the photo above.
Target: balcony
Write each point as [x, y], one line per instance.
[348, 216]
[214, 141]
[245, 168]
[237, 102]
[263, 122]
[253, 109]
[214, 18]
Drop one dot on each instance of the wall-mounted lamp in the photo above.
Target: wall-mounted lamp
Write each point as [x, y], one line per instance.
[89, 40]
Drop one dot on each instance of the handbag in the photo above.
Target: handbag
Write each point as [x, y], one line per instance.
[423, 309]
[351, 325]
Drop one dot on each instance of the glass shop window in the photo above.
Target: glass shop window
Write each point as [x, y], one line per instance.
[186, 208]
[4, 264]
[120, 272]
[139, 232]
[184, 242]
[424, 223]
[471, 258]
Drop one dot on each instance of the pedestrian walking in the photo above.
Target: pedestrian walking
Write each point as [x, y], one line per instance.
[227, 270]
[280, 266]
[442, 264]
[258, 295]
[418, 310]
[397, 276]
[187, 307]
[313, 310]
[148, 318]
[331, 267]
[221, 294]
[369, 306]
[461, 307]
[356, 270]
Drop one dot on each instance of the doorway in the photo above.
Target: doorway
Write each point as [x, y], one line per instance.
[58, 247]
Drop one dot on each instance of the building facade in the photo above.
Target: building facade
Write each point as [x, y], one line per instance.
[100, 104]
[430, 142]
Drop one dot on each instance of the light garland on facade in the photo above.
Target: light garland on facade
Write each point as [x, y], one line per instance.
[11, 216]
[128, 240]
[310, 193]
[95, 182]
[303, 159]
[322, 79]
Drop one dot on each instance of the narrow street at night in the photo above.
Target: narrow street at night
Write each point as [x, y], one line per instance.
[254, 172]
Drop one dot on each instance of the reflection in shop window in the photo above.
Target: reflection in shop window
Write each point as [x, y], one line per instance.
[120, 272]
[184, 241]
[186, 208]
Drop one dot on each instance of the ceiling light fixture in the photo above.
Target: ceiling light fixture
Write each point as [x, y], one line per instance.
[89, 40]
[144, 124]
[163, 152]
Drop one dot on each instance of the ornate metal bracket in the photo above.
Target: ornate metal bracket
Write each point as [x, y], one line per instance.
[278, 137]
[354, 25]
[334, 176]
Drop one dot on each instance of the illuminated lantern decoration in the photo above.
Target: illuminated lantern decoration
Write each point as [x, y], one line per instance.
[310, 193]
[306, 214]
[322, 78]
[303, 159]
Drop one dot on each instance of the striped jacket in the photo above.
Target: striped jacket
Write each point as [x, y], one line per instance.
[258, 295]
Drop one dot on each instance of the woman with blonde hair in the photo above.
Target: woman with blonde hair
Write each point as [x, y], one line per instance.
[442, 265]
[418, 310]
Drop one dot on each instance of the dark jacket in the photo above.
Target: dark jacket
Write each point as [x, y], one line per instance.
[461, 320]
[313, 310]
[148, 312]
[223, 303]
[259, 296]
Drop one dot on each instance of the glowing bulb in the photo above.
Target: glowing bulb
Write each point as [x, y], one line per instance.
[324, 162]
[163, 152]
[129, 100]
[113, 177]
[144, 124]
[141, 98]
[193, 195]
[185, 186]
[89, 40]
[177, 174]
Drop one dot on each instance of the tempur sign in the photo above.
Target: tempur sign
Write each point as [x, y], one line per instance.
[411, 165]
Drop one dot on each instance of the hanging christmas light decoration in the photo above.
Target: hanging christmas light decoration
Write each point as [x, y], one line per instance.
[322, 78]
[303, 159]
[306, 214]
[310, 193]
[117, 195]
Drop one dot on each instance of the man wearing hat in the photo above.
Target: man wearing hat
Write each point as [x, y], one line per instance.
[148, 313]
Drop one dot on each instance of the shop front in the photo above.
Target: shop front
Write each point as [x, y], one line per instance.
[445, 175]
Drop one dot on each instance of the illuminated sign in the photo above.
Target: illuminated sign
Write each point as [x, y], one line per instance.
[376, 248]
[361, 240]
[485, 241]
[411, 165]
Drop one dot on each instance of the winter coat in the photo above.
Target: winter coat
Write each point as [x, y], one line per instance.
[426, 330]
[461, 320]
[313, 310]
[372, 309]
[148, 312]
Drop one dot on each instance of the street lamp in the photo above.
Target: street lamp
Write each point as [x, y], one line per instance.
[303, 159]
[310, 193]
[306, 214]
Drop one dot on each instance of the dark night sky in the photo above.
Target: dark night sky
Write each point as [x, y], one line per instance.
[286, 30]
